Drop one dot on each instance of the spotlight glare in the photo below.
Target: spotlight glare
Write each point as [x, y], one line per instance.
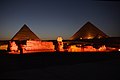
[118, 49]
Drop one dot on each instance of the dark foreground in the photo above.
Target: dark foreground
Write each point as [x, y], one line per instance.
[61, 66]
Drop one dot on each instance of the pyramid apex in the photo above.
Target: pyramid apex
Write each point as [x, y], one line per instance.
[25, 25]
[25, 34]
[89, 23]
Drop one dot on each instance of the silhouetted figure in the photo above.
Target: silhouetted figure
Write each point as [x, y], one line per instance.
[56, 47]
[9, 45]
[20, 48]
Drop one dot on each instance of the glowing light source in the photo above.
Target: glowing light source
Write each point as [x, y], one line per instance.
[99, 37]
[90, 37]
[80, 37]
[118, 49]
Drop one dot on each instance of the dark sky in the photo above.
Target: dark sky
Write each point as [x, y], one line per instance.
[49, 19]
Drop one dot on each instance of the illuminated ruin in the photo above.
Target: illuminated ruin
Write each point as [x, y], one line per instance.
[73, 48]
[88, 39]
[3, 47]
[32, 42]
[38, 45]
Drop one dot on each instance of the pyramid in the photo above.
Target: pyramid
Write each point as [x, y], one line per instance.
[88, 31]
[25, 34]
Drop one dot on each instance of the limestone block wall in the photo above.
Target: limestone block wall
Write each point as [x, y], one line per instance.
[3, 47]
[47, 45]
[32, 45]
[38, 45]
[73, 48]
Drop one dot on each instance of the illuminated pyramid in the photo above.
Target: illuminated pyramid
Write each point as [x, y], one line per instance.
[88, 31]
[25, 34]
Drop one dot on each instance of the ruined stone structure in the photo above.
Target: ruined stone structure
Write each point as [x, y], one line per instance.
[33, 43]
[38, 45]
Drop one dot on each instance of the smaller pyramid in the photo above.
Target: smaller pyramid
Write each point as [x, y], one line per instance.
[88, 31]
[25, 34]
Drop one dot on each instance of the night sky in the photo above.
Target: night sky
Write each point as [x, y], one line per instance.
[49, 19]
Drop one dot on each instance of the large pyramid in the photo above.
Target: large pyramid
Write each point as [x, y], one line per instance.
[88, 31]
[25, 34]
